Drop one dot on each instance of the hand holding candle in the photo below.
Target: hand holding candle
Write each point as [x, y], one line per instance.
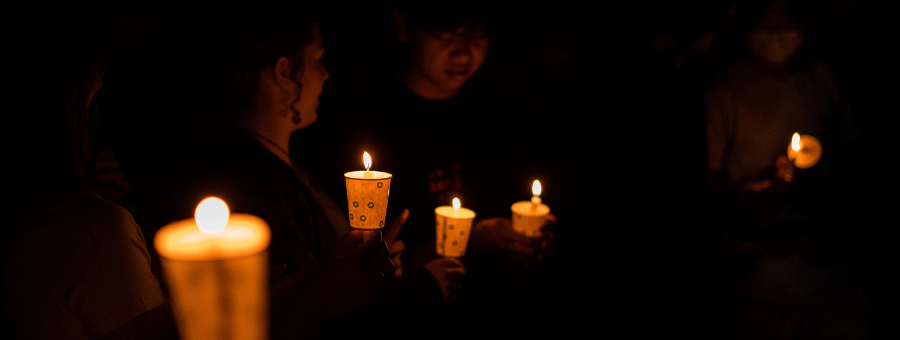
[454, 224]
[528, 217]
[216, 267]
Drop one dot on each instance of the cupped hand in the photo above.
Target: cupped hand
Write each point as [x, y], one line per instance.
[549, 238]
[448, 272]
[494, 239]
[353, 280]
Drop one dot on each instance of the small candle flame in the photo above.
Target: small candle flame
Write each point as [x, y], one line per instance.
[367, 161]
[536, 188]
[456, 204]
[211, 215]
[795, 142]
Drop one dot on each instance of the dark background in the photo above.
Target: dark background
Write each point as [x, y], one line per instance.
[637, 259]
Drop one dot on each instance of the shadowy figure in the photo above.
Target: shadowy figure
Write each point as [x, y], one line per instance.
[269, 72]
[787, 219]
[76, 265]
[427, 116]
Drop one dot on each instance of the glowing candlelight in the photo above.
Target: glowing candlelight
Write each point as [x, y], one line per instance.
[795, 142]
[804, 151]
[367, 161]
[536, 192]
[528, 217]
[453, 226]
[216, 267]
[211, 215]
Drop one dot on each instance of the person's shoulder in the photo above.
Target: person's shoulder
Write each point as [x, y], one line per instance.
[96, 208]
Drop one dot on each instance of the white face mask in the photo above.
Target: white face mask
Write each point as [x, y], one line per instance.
[775, 47]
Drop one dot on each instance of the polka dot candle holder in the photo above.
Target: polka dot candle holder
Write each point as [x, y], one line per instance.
[527, 217]
[453, 228]
[367, 198]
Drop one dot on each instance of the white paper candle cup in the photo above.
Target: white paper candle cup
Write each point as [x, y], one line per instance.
[453, 229]
[528, 221]
[809, 154]
[218, 283]
[367, 199]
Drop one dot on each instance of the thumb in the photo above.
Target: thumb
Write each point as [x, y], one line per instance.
[348, 243]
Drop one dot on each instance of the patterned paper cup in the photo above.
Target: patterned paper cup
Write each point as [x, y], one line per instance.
[453, 229]
[367, 199]
[528, 221]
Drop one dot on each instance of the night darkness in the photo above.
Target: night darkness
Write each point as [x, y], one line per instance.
[609, 110]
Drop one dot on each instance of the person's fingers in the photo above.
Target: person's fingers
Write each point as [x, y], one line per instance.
[456, 273]
[519, 252]
[451, 262]
[105, 154]
[390, 234]
[397, 247]
[373, 256]
[106, 164]
[388, 269]
[348, 243]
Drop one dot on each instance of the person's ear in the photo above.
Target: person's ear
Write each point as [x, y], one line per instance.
[282, 72]
[400, 26]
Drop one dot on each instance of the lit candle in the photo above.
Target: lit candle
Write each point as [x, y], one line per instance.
[804, 151]
[528, 217]
[453, 227]
[367, 161]
[367, 196]
[216, 268]
[536, 192]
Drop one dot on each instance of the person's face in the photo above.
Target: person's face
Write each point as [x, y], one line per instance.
[448, 59]
[775, 38]
[312, 80]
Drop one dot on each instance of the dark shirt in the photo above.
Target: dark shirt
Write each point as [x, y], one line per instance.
[305, 224]
[472, 146]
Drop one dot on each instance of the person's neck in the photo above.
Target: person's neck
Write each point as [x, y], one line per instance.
[270, 135]
[773, 70]
[422, 87]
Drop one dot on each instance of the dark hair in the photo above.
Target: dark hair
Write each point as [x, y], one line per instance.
[747, 12]
[254, 40]
[437, 16]
[57, 62]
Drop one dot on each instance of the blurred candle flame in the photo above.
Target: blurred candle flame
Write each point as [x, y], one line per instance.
[211, 215]
[795, 142]
[536, 188]
[367, 161]
[456, 204]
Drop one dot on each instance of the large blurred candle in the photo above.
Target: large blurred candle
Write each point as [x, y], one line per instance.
[216, 268]
[529, 216]
[367, 196]
[804, 151]
[453, 227]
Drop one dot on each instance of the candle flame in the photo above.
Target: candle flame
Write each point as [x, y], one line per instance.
[456, 204]
[211, 215]
[536, 188]
[367, 161]
[795, 142]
